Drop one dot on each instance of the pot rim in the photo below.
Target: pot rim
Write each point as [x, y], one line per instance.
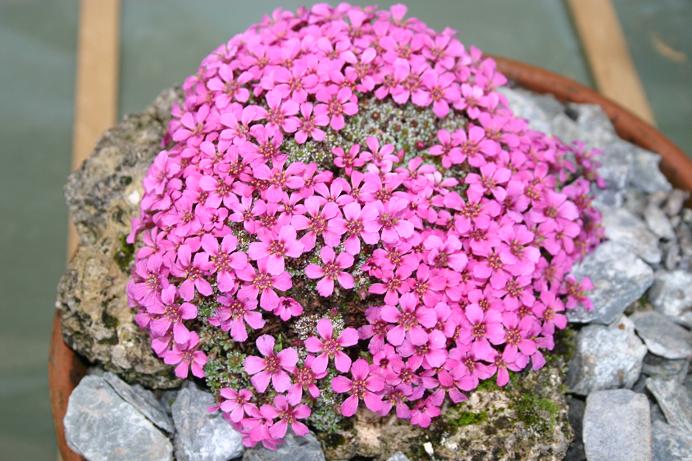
[66, 368]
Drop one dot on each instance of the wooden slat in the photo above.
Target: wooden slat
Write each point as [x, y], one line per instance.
[608, 55]
[96, 93]
[96, 108]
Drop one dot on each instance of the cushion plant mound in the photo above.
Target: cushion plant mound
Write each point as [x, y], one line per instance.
[345, 214]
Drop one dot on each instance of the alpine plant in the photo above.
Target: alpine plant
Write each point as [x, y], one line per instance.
[345, 215]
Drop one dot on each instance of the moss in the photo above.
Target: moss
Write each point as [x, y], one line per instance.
[565, 346]
[536, 412]
[466, 418]
[109, 321]
[125, 254]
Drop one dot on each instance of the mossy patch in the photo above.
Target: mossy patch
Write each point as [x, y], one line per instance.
[537, 413]
[125, 254]
[464, 418]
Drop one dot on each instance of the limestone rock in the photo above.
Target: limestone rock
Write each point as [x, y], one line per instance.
[671, 294]
[662, 336]
[294, 448]
[398, 456]
[103, 195]
[606, 357]
[625, 228]
[619, 279]
[201, 435]
[672, 397]
[617, 426]
[100, 425]
[671, 443]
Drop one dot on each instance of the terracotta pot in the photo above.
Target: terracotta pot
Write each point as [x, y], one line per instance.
[65, 367]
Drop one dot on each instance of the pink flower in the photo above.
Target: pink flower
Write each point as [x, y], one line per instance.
[329, 347]
[274, 246]
[480, 330]
[440, 90]
[335, 103]
[224, 260]
[318, 221]
[287, 308]
[288, 415]
[233, 313]
[304, 377]
[169, 314]
[308, 125]
[261, 282]
[410, 321]
[358, 222]
[272, 367]
[186, 357]
[491, 180]
[363, 386]
[228, 87]
[236, 403]
[331, 269]
[193, 272]
[449, 148]
[280, 113]
[348, 161]
[390, 217]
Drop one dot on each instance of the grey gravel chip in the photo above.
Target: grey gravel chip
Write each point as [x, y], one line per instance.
[658, 222]
[202, 435]
[617, 426]
[660, 367]
[624, 227]
[143, 400]
[671, 294]
[671, 443]
[606, 357]
[294, 448]
[619, 279]
[674, 401]
[662, 336]
[100, 425]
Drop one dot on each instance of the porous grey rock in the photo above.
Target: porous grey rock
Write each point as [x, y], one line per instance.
[606, 357]
[674, 401]
[293, 448]
[143, 400]
[671, 443]
[103, 196]
[660, 367]
[617, 426]
[201, 435]
[662, 336]
[658, 222]
[100, 425]
[671, 294]
[398, 456]
[624, 227]
[527, 420]
[619, 279]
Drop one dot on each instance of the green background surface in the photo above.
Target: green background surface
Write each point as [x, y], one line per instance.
[162, 42]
